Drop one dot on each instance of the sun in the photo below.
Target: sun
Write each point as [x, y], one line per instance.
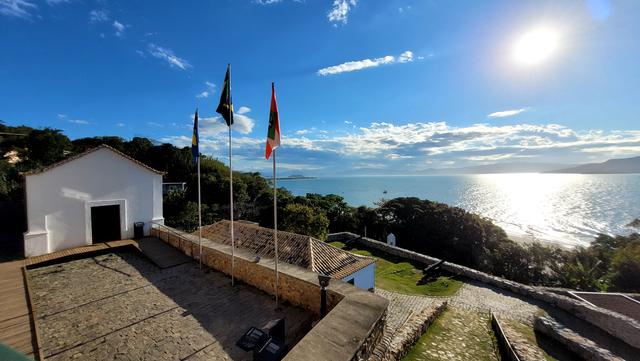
[536, 46]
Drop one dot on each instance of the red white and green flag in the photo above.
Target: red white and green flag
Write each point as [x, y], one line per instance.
[273, 135]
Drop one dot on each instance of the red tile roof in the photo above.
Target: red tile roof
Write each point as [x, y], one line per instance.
[296, 249]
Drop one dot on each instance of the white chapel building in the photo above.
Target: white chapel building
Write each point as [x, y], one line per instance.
[95, 196]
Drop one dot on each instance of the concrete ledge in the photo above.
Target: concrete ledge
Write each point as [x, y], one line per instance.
[615, 324]
[350, 330]
[585, 349]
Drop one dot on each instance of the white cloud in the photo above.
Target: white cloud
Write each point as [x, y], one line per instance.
[397, 156]
[267, 2]
[205, 93]
[61, 116]
[339, 12]
[216, 125]
[98, 16]
[119, 27]
[347, 122]
[350, 66]
[154, 124]
[243, 110]
[405, 57]
[17, 8]
[120, 124]
[57, 2]
[168, 55]
[507, 113]
[417, 147]
[79, 121]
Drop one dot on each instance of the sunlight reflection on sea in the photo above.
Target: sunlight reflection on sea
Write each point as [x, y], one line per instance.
[569, 209]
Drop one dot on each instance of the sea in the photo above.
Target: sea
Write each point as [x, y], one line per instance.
[564, 209]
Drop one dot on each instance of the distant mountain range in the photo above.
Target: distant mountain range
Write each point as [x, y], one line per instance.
[612, 166]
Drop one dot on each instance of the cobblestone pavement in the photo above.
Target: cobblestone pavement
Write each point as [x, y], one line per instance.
[485, 298]
[119, 306]
[458, 334]
[474, 300]
[401, 307]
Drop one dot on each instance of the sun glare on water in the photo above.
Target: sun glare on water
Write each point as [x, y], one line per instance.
[536, 46]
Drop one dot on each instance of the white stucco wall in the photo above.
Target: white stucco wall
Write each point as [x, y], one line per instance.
[364, 278]
[59, 200]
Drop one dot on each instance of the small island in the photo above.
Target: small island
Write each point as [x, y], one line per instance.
[635, 223]
[295, 176]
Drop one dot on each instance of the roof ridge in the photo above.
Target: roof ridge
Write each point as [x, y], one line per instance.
[87, 152]
[311, 255]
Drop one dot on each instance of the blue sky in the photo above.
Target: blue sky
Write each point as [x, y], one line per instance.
[363, 86]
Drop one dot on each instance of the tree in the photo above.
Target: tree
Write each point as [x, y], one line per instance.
[46, 146]
[179, 212]
[340, 214]
[302, 219]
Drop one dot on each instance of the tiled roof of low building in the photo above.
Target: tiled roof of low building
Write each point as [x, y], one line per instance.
[296, 249]
[80, 155]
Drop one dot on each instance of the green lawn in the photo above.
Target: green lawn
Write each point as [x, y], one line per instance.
[398, 275]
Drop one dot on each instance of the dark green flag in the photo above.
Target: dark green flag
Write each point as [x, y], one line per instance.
[225, 108]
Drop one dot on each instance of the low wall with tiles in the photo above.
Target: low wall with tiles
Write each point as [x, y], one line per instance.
[615, 324]
[349, 331]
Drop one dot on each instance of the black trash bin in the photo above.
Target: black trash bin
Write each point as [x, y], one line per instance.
[138, 230]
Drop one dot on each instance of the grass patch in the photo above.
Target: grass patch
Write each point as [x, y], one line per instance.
[398, 275]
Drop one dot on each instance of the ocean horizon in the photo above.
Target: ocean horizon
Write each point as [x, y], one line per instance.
[563, 209]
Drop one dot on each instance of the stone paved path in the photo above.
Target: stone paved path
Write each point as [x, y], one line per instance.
[119, 306]
[401, 307]
[485, 298]
[458, 334]
[474, 301]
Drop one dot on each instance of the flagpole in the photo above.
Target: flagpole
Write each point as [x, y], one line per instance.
[275, 221]
[233, 243]
[199, 213]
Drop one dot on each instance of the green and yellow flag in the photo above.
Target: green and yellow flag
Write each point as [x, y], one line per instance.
[225, 108]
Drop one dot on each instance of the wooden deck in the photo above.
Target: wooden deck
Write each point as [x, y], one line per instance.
[18, 327]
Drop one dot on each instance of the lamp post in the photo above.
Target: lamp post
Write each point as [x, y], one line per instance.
[324, 282]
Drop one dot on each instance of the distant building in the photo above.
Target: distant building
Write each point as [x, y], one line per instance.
[299, 250]
[173, 186]
[92, 197]
[391, 239]
[12, 157]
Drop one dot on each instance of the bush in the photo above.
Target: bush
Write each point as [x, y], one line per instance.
[625, 268]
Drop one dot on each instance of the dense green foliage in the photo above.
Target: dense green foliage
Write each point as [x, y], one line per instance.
[424, 226]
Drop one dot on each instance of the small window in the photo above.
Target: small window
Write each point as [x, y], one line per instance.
[352, 281]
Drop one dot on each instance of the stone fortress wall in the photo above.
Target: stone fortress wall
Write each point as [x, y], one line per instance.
[615, 324]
